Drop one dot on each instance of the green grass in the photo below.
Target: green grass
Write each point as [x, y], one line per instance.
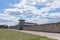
[14, 35]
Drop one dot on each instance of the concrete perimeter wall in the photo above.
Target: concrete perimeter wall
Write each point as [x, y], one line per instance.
[54, 27]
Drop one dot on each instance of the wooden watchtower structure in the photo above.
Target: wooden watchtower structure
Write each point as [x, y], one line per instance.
[21, 24]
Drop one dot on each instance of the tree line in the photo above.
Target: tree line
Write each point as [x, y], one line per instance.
[3, 26]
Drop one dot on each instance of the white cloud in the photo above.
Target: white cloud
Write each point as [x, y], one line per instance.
[55, 15]
[11, 20]
[7, 17]
[27, 7]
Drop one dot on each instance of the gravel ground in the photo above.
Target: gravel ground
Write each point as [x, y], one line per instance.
[49, 35]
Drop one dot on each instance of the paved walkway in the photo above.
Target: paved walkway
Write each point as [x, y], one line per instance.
[49, 35]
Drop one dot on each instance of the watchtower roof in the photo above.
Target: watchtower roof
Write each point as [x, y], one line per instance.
[21, 20]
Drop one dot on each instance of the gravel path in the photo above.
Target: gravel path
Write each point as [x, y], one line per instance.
[49, 35]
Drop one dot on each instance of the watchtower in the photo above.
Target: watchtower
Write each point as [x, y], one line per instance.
[21, 24]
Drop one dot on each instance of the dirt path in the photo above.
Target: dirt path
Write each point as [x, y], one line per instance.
[49, 35]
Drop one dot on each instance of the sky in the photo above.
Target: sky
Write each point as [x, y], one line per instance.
[36, 11]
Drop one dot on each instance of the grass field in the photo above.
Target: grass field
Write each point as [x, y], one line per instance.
[14, 35]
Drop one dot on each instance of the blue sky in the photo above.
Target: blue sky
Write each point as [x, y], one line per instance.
[7, 3]
[36, 11]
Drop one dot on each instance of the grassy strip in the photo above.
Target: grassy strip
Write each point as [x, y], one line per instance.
[14, 35]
